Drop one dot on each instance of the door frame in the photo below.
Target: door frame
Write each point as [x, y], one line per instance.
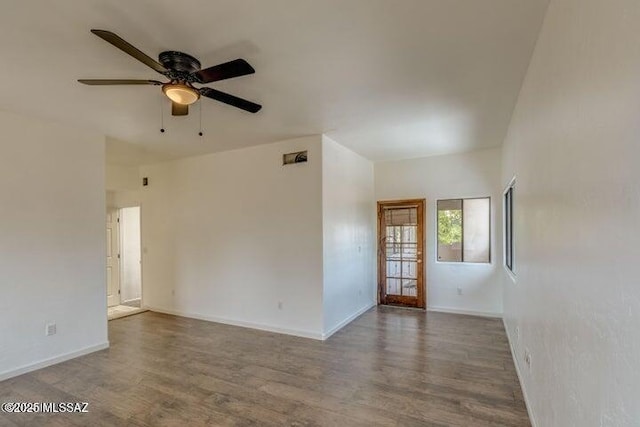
[421, 286]
[116, 263]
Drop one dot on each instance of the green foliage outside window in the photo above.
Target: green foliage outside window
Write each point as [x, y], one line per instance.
[449, 226]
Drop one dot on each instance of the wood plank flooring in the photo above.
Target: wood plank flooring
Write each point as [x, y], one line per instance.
[390, 367]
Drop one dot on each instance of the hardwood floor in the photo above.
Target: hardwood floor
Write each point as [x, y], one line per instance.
[390, 367]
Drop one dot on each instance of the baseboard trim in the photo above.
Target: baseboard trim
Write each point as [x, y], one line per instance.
[532, 419]
[52, 361]
[467, 312]
[240, 323]
[348, 320]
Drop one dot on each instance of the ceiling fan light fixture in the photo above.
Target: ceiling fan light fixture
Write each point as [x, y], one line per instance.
[181, 94]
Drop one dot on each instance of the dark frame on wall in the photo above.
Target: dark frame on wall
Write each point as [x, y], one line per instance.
[508, 227]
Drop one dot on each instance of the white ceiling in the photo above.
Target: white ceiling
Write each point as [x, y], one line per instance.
[390, 79]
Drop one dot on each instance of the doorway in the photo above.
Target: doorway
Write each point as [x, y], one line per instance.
[124, 263]
[401, 253]
[131, 273]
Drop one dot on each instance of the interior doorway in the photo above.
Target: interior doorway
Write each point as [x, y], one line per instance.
[131, 286]
[124, 262]
[401, 253]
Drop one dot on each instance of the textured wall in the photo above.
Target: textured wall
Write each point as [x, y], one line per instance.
[52, 244]
[574, 147]
[349, 235]
[236, 237]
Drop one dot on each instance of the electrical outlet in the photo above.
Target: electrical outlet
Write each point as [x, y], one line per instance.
[280, 305]
[527, 358]
[459, 290]
[50, 329]
[517, 333]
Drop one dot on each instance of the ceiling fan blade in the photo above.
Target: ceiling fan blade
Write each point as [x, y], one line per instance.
[179, 109]
[126, 47]
[235, 68]
[109, 82]
[243, 104]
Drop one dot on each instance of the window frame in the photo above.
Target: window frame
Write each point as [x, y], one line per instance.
[463, 262]
[509, 251]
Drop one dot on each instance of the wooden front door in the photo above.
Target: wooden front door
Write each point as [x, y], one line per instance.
[401, 253]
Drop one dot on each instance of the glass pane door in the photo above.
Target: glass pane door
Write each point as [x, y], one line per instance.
[401, 254]
[401, 257]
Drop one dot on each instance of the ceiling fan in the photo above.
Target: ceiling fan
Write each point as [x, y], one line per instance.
[183, 71]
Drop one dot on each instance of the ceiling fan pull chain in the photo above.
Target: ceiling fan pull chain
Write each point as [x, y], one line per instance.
[200, 111]
[161, 116]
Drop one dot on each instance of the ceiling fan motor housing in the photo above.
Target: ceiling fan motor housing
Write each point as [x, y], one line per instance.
[180, 65]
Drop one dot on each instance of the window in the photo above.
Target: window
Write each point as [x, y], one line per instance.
[464, 230]
[508, 227]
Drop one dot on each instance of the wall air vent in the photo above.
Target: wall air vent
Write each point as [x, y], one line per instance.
[291, 158]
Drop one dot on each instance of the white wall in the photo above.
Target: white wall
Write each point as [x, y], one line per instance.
[52, 249]
[131, 283]
[472, 174]
[122, 177]
[574, 147]
[349, 235]
[227, 236]
[123, 185]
